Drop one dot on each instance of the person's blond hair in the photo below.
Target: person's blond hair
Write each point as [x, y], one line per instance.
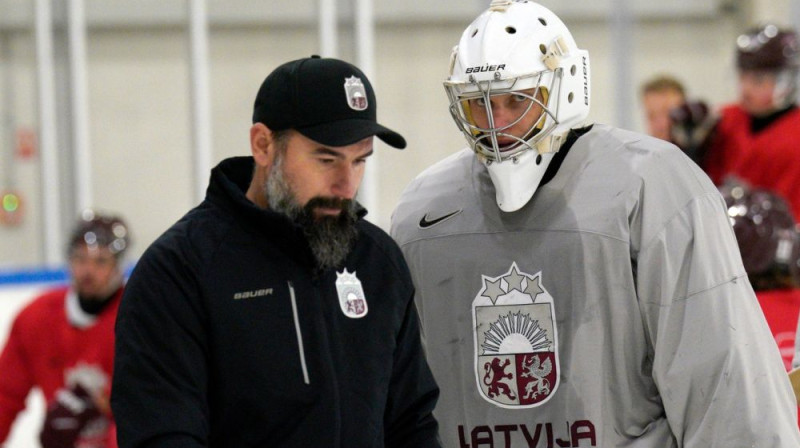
[663, 83]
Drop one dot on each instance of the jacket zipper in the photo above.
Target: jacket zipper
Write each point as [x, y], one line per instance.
[299, 334]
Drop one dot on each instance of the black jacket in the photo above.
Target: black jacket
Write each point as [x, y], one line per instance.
[227, 337]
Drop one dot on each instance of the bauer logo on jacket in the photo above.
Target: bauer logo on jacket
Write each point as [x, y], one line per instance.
[351, 295]
[516, 356]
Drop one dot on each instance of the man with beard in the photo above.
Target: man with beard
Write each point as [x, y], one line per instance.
[63, 342]
[272, 314]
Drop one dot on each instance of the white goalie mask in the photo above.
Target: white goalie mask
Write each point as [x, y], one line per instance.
[517, 84]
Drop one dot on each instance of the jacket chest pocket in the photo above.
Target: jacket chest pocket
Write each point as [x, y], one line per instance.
[264, 341]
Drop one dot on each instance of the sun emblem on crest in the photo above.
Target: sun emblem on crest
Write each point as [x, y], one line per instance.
[513, 332]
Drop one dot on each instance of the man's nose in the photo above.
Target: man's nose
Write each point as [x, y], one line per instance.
[502, 116]
[346, 182]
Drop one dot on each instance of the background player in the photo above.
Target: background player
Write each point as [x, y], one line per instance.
[769, 242]
[659, 95]
[756, 139]
[63, 342]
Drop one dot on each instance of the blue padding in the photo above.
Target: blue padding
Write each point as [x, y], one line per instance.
[10, 277]
[26, 276]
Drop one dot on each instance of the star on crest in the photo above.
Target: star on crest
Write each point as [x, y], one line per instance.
[534, 288]
[492, 289]
[514, 280]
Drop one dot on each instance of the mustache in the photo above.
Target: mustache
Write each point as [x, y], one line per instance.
[345, 205]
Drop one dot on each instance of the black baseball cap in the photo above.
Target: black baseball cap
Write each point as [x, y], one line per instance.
[328, 100]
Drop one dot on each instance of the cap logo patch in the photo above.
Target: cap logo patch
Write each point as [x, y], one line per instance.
[356, 93]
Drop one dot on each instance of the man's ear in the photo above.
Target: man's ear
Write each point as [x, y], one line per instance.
[262, 144]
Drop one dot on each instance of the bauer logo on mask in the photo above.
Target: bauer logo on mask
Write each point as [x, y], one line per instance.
[516, 356]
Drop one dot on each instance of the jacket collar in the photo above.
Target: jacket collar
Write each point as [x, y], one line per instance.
[227, 189]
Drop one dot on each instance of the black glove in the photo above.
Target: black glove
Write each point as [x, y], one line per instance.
[66, 417]
[692, 129]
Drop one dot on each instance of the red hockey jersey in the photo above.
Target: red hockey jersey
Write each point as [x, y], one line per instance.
[768, 159]
[51, 345]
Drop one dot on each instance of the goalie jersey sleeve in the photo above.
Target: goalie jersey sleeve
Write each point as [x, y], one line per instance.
[612, 310]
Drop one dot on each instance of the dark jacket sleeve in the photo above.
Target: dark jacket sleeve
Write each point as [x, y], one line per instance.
[160, 369]
[413, 391]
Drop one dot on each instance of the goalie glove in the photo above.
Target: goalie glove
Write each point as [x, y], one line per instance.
[67, 416]
[692, 129]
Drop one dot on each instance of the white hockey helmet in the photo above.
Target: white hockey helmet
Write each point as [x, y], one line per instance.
[518, 47]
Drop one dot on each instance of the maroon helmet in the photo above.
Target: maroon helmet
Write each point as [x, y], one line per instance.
[767, 48]
[98, 230]
[767, 234]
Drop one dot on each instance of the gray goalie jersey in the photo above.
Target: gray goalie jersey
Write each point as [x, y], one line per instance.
[612, 310]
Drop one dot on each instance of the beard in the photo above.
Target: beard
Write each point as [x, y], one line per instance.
[331, 238]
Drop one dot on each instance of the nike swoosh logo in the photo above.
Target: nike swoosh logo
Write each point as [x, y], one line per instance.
[424, 223]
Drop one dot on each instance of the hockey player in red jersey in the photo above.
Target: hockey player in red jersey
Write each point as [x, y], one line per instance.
[756, 139]
[63, 342]
[769, 241]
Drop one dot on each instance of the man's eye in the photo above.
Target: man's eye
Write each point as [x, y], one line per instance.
[480, 102]
[520, 98]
